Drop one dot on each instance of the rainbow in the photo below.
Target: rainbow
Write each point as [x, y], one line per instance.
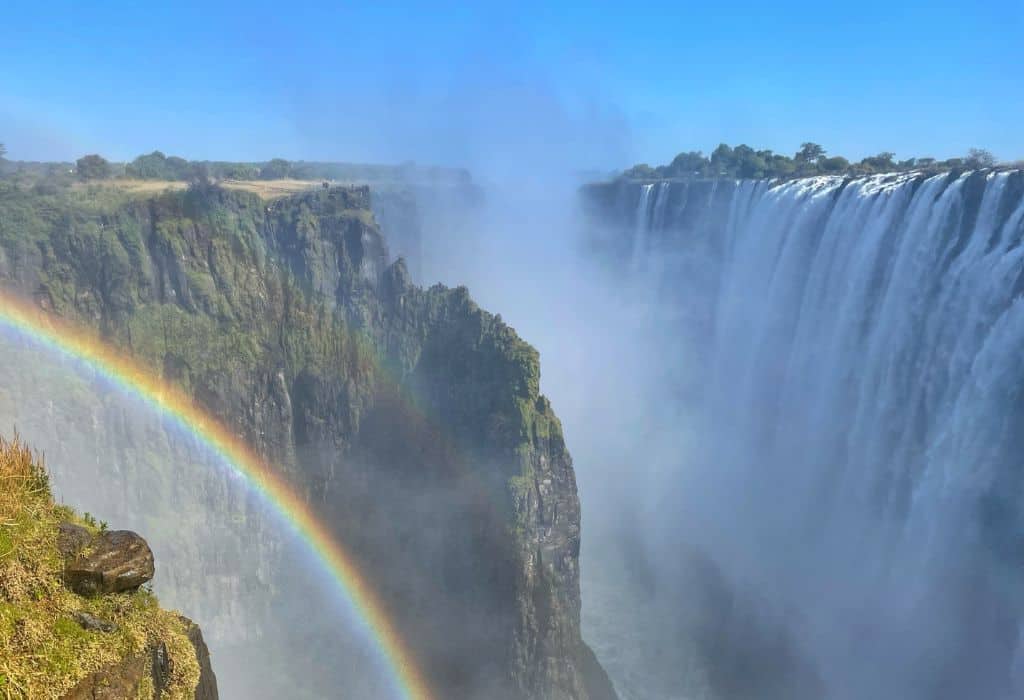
[133, 378]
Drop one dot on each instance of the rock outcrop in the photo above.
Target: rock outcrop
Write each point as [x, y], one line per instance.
[109, 562]
[117, 562]
[97, 636]
[409, 418]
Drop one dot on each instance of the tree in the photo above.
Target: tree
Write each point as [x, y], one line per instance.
[979, 158]
[149, 167]
[781, 166]
[178, 168]
[199, 175]
[276, 169]
[834, 165]
[883, 162]
[809, 153]
[3, 151]
[721, 160]
[689, 164]
[641, 171]
[92, 167]
[748, 163]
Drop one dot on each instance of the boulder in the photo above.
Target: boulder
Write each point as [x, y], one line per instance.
[72, 539]
[111, 562]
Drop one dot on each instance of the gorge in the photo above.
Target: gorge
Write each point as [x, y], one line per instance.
[793, 407]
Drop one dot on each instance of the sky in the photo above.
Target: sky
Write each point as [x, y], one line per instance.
[590, 85]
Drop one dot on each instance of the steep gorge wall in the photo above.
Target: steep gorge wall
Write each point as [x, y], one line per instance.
[410, 418]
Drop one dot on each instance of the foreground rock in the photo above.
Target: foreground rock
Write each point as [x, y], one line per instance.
[117, 562]
[110, 562]
[74, 623]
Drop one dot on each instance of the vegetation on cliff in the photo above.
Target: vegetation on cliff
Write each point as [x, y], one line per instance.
[157, 166]
[745, 162]
[53, 640]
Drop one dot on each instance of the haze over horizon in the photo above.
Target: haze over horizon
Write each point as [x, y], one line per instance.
[478, 87]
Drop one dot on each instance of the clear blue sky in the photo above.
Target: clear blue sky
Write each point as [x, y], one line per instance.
[594, 85]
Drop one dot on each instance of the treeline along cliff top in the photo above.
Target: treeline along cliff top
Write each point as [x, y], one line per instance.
[812, 159]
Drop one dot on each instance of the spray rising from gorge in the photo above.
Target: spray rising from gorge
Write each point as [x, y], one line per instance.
[841, 516]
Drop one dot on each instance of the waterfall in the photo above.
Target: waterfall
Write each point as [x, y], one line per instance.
[643, 215]
[857, 477]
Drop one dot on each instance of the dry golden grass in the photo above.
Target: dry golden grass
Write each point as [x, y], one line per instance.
[266, 189]
[133, 186]
[271, 189]
[43, 652]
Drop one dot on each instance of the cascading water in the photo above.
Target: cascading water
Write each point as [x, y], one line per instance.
[847, 520]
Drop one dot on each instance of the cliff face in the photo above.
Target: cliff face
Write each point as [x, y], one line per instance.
[410, 418]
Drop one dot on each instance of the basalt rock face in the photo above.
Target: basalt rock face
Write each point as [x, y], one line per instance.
[410, 419]
[207, 686]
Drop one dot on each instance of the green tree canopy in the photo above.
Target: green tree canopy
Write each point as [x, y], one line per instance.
[747, 162]
[157, 166]
[641, 171]
[152, 166]
[689, 164]
[835, 164]
[276, 169]
[809, 153]
[883, 162]
[721, 160]
[744, 162]
[979, 158]
[92, 167]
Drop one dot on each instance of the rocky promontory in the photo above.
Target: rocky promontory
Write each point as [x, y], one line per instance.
[76, 621]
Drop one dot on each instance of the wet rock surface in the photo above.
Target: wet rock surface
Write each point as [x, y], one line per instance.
[72, 539]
